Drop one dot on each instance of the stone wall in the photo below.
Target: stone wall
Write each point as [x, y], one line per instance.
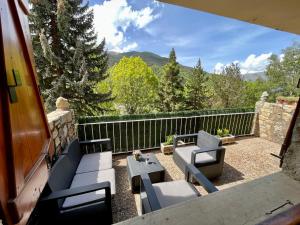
[291, 161]
[62, 125]
[272, 120]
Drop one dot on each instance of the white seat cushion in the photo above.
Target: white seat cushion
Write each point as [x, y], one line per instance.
[95, 162]
[186, 154]
[84, 179]
[173, 192]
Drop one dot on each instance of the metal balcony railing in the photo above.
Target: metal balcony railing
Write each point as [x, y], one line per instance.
[143, 134]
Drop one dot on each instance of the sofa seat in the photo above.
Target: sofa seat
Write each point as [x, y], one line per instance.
[173, 192]
[94, 162]
[89, 178]
[186, 154]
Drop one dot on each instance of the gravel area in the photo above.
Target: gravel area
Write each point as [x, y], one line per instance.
[245, 160]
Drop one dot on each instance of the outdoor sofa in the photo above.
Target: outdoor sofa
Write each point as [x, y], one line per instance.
[206, 154]
[160, 195]
[80, 187]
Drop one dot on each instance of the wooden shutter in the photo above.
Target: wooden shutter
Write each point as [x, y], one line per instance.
[25, 139]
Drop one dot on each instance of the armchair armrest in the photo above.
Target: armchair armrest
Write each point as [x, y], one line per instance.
[178, 137]
[78, 191]
[106, 141]
[146, 186]
[200, 178]
[204, 149]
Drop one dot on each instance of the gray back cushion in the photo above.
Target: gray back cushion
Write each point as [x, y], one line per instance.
[207, 140]
[73, 152]
[61, 176]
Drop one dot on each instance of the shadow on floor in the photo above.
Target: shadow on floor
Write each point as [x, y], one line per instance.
[123, 203]
[230, 174]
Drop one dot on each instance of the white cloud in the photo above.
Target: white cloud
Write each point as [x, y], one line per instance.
[127, 48]
[113, 18]
[252, 64]
[219, 68]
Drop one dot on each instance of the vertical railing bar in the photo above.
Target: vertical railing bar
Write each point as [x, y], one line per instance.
[185, 125]
[166, 129]
[171, 130]
[106, 130]
[92, 127]
[149, 146]
[155, 133]
[204, 123]
[120, 136]
[113, 125]
[190, 125]
[144, 134]
[176, 126]
[84, 131]
[138, 134]
[101, 150]
[180, 126]
[132, 132]
[126, 136]
[160, 132]
[195, 124]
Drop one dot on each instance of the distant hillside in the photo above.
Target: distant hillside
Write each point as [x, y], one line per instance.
[149, 57]
[254, 76]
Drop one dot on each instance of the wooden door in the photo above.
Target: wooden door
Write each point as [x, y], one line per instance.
[25, 139]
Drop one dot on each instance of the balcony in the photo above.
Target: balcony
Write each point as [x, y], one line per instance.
[247, 159]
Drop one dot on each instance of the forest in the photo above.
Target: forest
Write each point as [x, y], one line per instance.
[73, 64]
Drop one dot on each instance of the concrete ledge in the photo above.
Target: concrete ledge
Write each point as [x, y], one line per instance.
[243, 204]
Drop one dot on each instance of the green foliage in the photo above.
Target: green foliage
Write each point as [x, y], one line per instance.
[228, 87]
[283, 74]
[252, 92]
[171, 86]
[169, 140]
[69, 61]
[92, 119]
[196, 88]
[134, 85]
[223, 132]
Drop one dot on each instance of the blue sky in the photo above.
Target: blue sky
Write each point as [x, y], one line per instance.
[146, 25]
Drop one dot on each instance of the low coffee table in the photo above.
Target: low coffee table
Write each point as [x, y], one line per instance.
[135, 168]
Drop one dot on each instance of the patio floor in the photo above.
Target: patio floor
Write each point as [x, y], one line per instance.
[247, 159]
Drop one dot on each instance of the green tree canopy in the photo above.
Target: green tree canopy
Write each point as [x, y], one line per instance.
[134, 85]
[283, 74]
[171, 86]
[69, 60]
[196, 90]
[228, 87]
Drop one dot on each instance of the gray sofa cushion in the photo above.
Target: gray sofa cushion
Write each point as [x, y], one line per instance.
[205, 139]
[185, 153]
[95, 162]
[84, 179]
[173, 192]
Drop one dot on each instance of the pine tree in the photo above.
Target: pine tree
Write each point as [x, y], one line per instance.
[196, 89]
[171, 86]
[229, 86]
[69, 60]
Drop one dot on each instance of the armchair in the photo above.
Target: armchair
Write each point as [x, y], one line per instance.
[160, 195]
[207, 154]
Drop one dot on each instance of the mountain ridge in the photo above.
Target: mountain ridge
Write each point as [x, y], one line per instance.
[154, 59]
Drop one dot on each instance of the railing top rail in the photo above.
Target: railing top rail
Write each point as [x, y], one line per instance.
[165, 118]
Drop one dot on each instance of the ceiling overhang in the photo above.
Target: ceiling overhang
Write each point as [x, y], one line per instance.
[277, 14]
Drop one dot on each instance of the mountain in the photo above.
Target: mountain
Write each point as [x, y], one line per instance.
[254, 76]
[149, 57]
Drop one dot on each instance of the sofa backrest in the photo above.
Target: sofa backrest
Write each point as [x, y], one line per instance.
[73, 152]
[61, 176]
[207, 140]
